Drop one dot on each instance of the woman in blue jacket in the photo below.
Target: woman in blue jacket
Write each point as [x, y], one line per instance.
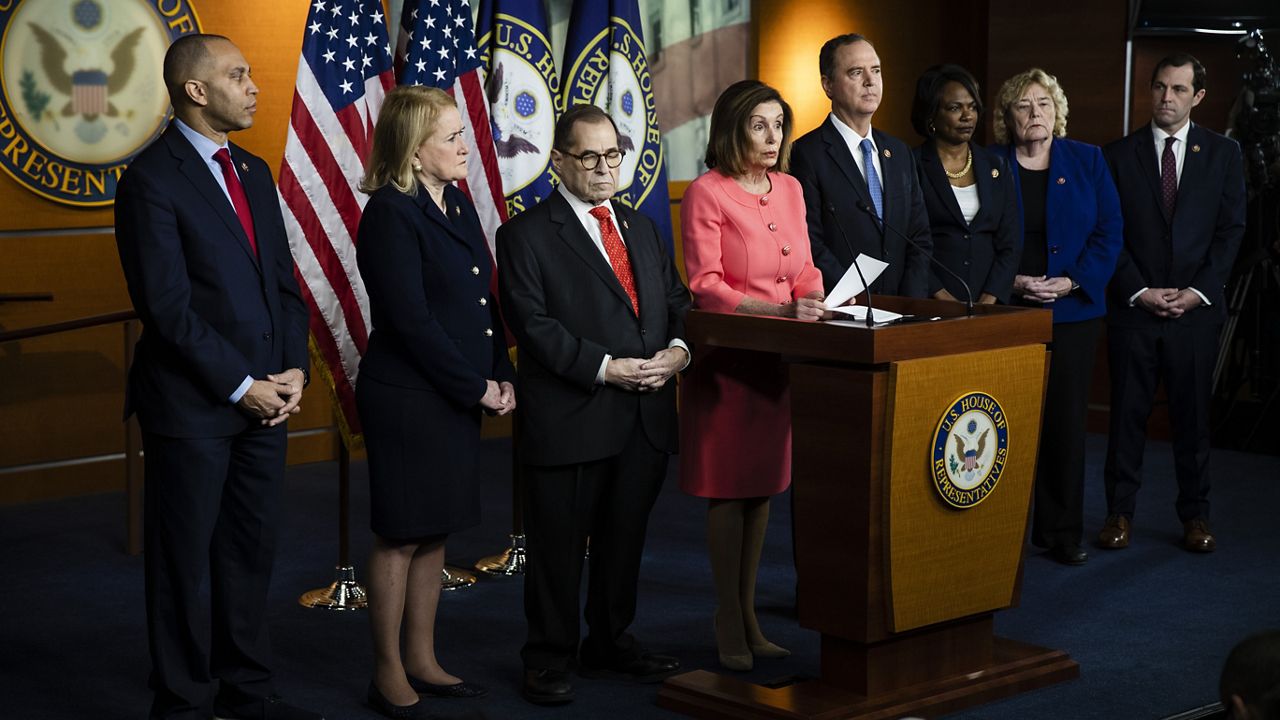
[1072, 235]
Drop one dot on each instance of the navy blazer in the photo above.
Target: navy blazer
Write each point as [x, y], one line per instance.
[212, 312]
[435, 324]
[984, 252]
[834, 189]
[1197, 246]
[1083, 226]
[566, 308]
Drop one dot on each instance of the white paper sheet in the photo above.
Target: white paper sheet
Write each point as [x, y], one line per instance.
[859, 313]
[850, 285]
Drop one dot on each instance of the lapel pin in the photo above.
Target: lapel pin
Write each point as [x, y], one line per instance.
[995, 173]
[625, 226]
[456, 211]
[887, 153]
[1062, 181]
[244, 167]
[1195, 148]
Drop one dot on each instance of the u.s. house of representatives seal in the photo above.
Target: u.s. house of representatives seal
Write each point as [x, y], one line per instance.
[81, 90]
[970, 448]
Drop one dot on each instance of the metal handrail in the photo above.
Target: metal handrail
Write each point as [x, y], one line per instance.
[133, 476]
[67, 325]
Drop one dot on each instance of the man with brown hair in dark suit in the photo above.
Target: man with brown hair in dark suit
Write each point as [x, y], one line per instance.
[1182, 194]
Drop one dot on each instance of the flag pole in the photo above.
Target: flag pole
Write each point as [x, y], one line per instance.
[344, 593]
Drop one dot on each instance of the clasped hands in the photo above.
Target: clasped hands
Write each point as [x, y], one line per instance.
[641, 375]
[499, 397]
[1167, 302]
[273, 400]
[1042, 289]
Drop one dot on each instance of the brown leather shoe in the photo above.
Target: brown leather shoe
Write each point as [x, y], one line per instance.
[1196, 536]
[1115, 533]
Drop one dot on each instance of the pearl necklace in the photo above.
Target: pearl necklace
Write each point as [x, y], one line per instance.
[968, 164]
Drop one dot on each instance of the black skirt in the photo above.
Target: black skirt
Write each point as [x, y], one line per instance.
[423, 461]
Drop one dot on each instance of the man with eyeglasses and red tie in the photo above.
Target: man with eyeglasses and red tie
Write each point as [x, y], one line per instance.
[597, 309]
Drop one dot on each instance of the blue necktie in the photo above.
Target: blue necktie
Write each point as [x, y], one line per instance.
[873, 180]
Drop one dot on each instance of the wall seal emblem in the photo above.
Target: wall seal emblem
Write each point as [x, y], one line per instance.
[81, 90]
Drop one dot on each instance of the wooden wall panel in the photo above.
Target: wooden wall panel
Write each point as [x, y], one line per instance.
[1081, 43]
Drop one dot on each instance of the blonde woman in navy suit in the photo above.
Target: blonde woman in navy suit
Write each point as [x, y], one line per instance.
[436, 359]
[968, 191]
[1072, 235]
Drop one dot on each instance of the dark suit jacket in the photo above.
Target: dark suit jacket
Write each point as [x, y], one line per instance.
[435, 325]
[212, 313]
[567, 310]
[826, 170]
[1083, 226]
[984, 252]
[1196, 247]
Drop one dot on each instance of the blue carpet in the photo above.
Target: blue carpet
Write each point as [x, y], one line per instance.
[1149, 626]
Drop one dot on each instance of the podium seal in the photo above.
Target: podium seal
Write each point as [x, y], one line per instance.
[970, 447]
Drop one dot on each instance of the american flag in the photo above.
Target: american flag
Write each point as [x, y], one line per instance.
[437, 47]
[344, 72]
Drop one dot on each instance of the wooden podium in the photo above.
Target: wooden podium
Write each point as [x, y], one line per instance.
[901, 582]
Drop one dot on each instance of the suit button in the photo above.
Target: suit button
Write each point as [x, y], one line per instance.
[266, 336]
[786, 249]
[966, 237]
[782, 279]
[773, 227]
[644, 331]
[475, 270]
[1054, 249]
[488, 332]
[484, 301]
[764, 199]
[966, 262]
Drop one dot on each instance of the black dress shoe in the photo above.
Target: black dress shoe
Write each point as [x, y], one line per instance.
[1069, 554]
[547, 687]
[456, 690]
[266, 708]
[645, 668]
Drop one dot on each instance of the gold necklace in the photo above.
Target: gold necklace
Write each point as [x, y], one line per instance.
[968, 164]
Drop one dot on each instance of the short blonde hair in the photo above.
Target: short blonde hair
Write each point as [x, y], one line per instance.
[408, 117]
[1011, 92]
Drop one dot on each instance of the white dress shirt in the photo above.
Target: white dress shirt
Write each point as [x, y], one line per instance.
[854, 141]
[1179, 154]
[206, 148]
[582, 210]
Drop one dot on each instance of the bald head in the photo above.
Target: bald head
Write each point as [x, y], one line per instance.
[188, 58]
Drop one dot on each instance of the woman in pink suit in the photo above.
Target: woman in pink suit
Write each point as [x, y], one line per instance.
[746, 250]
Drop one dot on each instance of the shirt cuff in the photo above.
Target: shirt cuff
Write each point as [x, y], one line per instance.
[688, 354]
[603, 364]
[240, 391]
[1203, 299]
[1134, 297]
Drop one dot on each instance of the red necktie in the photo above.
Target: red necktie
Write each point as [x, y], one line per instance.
[617, 254]
[238, 198]
[1169, 178]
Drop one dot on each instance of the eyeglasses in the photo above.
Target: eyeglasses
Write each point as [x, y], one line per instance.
[591, 160]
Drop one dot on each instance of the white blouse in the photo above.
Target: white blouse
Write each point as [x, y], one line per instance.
[967, 197]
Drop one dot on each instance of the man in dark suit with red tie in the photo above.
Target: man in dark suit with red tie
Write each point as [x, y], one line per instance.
[219, 369]
[597, 309]
[1183, 197]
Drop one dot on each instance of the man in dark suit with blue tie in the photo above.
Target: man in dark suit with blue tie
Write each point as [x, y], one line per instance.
[597, 309]
[1183, 197]
[857, 180]
[219, 369]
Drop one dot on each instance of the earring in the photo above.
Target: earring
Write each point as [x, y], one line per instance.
[417, 166]
[932, 130]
